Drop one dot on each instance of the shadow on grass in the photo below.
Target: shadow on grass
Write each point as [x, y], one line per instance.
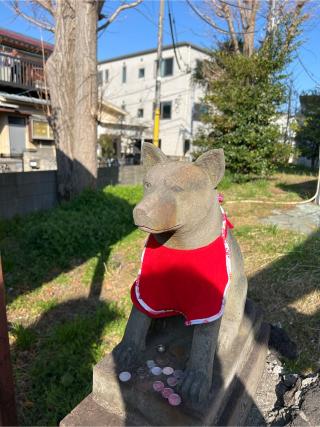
[288, 290]
[53, 359]
[39, 247]
[304, 189]
[297, 170]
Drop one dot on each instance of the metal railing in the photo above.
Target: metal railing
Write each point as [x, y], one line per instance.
[21, 72]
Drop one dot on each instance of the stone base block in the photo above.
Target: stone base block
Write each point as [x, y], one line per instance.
[235, 378]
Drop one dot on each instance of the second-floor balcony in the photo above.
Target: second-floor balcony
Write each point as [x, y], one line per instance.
[19, 72]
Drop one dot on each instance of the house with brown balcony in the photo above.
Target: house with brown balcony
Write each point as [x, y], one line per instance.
[26, 139]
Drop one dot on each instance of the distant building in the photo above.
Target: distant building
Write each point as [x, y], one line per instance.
[26, 140]
[129, 82]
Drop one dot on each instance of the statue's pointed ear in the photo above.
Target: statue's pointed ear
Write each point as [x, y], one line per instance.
[213, 163]
[151, 155]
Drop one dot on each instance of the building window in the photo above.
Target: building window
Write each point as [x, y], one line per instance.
[186, 146]
[100, 78]
[165, 108]
[199, 110]
[124, 74]
[166, 67]
[141, 73]
[140, 112]
[106, 76]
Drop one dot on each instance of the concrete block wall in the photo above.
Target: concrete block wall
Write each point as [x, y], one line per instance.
[125, 175]
[25, 192]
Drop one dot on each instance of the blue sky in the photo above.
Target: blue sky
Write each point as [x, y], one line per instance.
[136, 29]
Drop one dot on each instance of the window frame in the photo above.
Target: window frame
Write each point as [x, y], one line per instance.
[163, 66]
[162, 105]
[144, 73]
[124, 74]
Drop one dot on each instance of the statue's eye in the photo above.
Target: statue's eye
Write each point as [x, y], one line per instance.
[147, 184]
[176, 188]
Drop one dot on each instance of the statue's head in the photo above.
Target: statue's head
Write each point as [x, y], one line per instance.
[177, 194]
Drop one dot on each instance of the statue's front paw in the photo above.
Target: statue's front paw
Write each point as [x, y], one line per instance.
[195, 386]
[125, 354]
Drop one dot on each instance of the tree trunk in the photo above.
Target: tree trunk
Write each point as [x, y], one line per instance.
[60, 76]
[71, 74]
[86, 96]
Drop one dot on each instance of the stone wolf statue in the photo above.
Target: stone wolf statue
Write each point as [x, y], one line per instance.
[192, 265]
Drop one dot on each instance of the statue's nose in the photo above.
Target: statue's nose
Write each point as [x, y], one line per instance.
[140, 216]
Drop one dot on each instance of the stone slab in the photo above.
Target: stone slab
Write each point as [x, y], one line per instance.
[90, 413]
[303, 218]
[235, 379]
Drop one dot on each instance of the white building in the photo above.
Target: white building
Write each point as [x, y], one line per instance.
[129, 83]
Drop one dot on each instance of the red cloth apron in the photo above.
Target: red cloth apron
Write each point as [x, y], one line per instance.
[188, 282]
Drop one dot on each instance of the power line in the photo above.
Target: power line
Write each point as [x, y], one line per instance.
[309, 74]
[172, 36]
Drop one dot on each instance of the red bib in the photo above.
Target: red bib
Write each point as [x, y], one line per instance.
[189, 282]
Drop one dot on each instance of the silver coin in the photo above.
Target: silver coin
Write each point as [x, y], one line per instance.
[168, 370]
[156, 370]
[161, 348]
[124, 376]
[151, 363]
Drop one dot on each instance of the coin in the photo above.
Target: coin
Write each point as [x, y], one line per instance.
[166, 392]
[167, 370]
[158, 386]
[156, 370]
[161, 348]
[151, 363]
[172, 381]
[124, 376]
[174, 399]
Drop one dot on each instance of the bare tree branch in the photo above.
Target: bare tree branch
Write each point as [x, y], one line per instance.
[120, 9]
[42, 24]
[45, 4]
[229, 19]
[100, 7]
[206, 18]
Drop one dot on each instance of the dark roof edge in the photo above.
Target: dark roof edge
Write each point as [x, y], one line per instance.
[147, 51]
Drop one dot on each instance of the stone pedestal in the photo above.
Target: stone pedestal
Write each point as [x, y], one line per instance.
[235, 378]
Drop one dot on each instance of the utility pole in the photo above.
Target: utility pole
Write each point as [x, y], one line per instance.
[271, 17]
[156, 124]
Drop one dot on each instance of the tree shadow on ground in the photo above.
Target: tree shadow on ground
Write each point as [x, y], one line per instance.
[39, 247]
[54, 357]
[304, 189]
[288, 290]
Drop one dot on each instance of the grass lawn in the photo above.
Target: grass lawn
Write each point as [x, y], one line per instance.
[68, 273]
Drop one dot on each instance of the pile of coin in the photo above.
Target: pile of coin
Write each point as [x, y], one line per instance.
[173, 377]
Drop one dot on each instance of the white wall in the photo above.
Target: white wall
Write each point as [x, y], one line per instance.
[139, 93]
